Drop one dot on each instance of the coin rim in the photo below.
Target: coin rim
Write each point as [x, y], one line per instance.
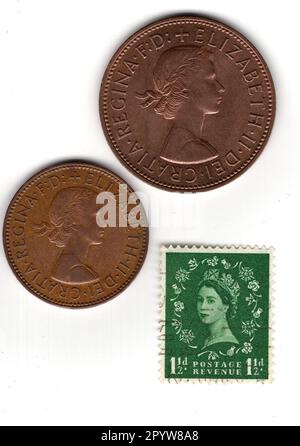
[6, 236]
[182, 20]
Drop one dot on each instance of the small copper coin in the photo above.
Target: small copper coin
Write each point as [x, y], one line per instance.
[187, 104]
[55, 245]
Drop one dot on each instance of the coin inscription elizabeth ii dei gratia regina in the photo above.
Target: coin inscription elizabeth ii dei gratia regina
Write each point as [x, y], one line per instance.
[187, 104]
[60, 249]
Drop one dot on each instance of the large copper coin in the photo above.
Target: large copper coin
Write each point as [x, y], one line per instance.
[55, 245]
[187, 104]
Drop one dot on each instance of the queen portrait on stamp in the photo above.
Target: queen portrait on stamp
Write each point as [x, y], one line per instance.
[215, 313]
[215, 305]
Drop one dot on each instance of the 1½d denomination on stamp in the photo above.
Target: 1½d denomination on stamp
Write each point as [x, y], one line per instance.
[215, 322]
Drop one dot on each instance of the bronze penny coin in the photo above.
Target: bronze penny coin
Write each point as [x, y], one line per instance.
[187, 104]
[75, 234]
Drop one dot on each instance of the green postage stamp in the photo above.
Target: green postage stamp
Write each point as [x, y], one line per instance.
[215, 322]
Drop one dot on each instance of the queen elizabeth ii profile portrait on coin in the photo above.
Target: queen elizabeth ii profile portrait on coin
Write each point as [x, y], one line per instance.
[186, 90]
[71, 226]
[75, 234]
[187, 104]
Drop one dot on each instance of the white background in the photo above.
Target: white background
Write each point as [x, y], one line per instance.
[100, 365]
